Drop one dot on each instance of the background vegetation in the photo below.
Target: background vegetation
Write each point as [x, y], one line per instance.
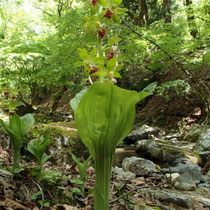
[165, 41]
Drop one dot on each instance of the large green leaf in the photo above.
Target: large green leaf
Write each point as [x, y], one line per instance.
[105, 116]
[147, 91]
[28, 121]
[16, 125]
[15, 138]
[38, 146]
[75, 101]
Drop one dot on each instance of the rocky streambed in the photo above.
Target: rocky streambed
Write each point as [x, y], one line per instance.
[180, 161]
[152, 168]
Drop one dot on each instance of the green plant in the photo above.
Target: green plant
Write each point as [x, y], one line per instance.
[82, 169]
[41, 200]
[104, 117]
[179, 86]
[104, 113]
[37, 147]
[50, 176]
[16, 129]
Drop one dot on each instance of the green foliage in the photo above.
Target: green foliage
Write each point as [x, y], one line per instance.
[16, 129]
[82, 169]
[179, 86]
[37, 147]
[39, 196]
[8, 97]
[104, 118]
[51, 176]
[75, 101]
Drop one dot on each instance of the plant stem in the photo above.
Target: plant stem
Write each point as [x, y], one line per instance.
[100, 54]
[103, 166]
[16, 158]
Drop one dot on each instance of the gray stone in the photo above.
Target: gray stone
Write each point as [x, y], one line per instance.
[173, 177]
[168, 137]
[203, 145]
[122, 174]
[64, 139]
[173, 140]
[174, 200]
[184, 186]
[169, 197]
[204, 185]
[160, 150]
[189, 173]
[142, 132]
[140, 166]
[171, 136]
[193, 133]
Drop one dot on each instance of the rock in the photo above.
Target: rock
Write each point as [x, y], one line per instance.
[140, 166]
[189, 173]
[193, 133]
[202, 147]
[163, 151]
[122, 174]
[171, 136]
[64, 139]
[121, 154]
[173, 140]
[184, 186]
[206, 185]
[170, 198]
[138, 181]
[174, 198]
[142, 132]
[174, 177]
[205, 181]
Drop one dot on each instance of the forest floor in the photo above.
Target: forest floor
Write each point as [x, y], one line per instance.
[60, 187]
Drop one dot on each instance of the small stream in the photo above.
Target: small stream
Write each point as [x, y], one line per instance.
[121, 154]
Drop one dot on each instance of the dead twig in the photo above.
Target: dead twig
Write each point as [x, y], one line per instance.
[141, 187]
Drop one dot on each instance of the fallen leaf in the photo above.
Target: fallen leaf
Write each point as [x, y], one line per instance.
[9, 203]
[64, 207]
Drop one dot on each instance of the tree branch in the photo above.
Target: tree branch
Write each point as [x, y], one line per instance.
[158, 46]
[43, 11]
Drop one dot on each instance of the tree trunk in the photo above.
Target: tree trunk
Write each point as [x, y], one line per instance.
[167, 10]
[143, 17]
[191, 19]
[57, 98]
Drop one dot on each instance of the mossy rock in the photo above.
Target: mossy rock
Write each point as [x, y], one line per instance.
[163, 151]
[64, 139]
[41, 118]
[194, 133]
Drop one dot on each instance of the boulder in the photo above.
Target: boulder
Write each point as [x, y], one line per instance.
[140, 166]
[202, 147]
[173, 177]
[120, 174]
[172, 136]
[170, 198]
[184, 186]
[194, 133]
[164, 151]
[64, 139]
[173, 199]
[190, 173]
[142, 132]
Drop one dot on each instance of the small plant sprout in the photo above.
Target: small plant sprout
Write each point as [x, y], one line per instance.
[37, 147]
[16, 129]
[82, 169]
